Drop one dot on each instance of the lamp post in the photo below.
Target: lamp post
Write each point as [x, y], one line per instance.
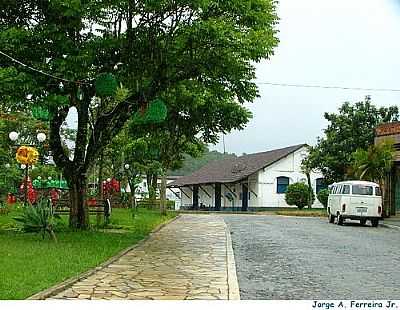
[7, 165]
[41, 137]
[26, 170]
[132, 200]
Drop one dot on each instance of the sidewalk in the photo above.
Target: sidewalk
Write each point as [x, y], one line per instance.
[190, 258]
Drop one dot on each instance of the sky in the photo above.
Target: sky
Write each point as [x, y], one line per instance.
[350, 43]
[332, 42]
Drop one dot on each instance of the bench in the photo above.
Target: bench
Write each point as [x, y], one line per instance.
[62, 207]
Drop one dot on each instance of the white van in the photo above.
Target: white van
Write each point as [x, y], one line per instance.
[355, 200]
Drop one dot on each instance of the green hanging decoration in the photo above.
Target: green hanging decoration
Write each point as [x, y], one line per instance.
[155, 113]
[106, 85]
[41, 113]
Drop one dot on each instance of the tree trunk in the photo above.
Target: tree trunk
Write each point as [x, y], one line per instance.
[132, 198]
[310, 192]
[100, 181]
[163, 195]
[154, 185]
[79, 213]
[149, 187]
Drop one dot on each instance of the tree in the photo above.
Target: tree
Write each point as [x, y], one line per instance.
[154, 48]
[297, 194]
[374, 165]
[351, 129]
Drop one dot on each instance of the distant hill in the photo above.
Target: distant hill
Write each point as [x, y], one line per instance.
[192, 164]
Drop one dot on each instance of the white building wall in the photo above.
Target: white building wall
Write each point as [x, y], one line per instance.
[186, 196]
[288, 167]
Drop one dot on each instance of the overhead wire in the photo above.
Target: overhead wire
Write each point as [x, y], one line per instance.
[258, 83]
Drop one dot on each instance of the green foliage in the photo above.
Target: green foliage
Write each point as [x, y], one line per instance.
[297, 194]
[44, 171]
[155, 204]
[38, 219]
[374, 163]
[323, 197]
[351, 129]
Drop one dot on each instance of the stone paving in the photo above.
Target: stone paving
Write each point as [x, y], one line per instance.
[186, 259]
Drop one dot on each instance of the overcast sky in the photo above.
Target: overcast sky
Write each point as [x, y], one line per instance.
[353, 43]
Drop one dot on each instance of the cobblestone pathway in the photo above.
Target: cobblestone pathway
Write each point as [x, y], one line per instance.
[187, 259]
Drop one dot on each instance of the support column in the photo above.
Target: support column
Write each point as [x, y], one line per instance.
[195, 197]
[394, 189]
[245, 197]
[217, 196]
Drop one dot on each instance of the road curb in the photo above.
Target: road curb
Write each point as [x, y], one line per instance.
[71, 281]
[390, 226]
[233, 284]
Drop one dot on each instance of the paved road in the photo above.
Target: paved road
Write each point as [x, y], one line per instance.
[307, 258]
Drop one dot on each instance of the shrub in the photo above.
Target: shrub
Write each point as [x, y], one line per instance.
[38, 219]
[297, 195]
[323, 197]
[155, 204]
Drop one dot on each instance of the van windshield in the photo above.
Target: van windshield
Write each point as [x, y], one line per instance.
[378, 191]
[362, 190]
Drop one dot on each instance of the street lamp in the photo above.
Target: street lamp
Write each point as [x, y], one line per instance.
[26, 169]
[13, 136]
[126, 166]
[41, 137]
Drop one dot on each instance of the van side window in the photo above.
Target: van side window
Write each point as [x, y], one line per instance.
[339, 189]
[362, 190]
[378, 191]
[346, 189]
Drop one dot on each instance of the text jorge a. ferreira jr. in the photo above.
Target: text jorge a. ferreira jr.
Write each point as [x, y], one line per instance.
[354, 304]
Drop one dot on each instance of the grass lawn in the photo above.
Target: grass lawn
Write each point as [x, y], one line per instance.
[29, 264]
[303, 212]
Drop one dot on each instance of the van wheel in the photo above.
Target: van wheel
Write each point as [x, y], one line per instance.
[363, 221]
[340, 220]
[331, 218]
[374, 222]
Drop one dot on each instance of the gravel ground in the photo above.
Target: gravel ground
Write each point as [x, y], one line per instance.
[281, 257]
